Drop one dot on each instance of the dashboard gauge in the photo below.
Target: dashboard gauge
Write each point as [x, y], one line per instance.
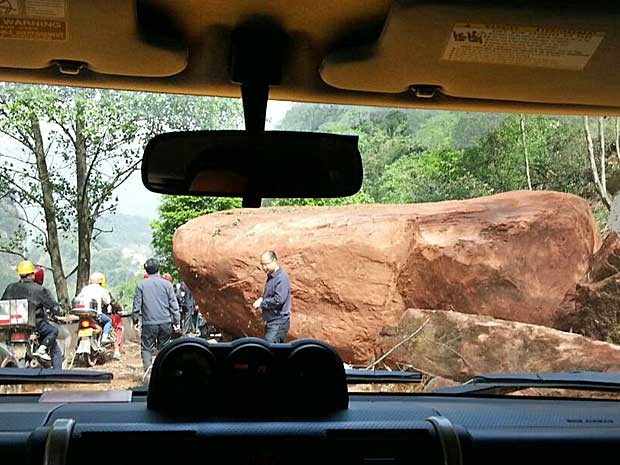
[186, 373]
[248, 374]
[317, 376]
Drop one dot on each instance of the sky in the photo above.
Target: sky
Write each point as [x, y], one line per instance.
[134, 199]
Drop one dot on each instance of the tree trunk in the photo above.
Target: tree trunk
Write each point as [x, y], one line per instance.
[85, 226]
[601, 130]
[605, 198]
[51, 241]
[527, 161]
[618, 138]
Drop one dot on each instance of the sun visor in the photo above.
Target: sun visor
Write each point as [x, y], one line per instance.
[117, 37]
[529, 54]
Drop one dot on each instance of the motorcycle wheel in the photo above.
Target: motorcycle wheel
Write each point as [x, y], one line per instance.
[89, 360]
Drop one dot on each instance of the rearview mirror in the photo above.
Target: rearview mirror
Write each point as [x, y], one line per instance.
[238, 164]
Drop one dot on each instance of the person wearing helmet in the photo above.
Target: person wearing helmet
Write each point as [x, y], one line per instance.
[39, 274]
[96, 293]
[63, 333]
[154, 301]
[27, 288]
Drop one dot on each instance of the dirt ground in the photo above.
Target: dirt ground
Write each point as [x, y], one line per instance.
[128, 373]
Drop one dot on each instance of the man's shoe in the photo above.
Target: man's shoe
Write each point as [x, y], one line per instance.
[105, 339]
[116, 356]
[42, 354]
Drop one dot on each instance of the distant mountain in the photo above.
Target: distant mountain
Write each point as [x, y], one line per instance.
[126, 230]
[120, 254]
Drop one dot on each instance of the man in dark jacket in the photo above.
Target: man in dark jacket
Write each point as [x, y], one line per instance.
[276, 300]
[155, 300]
[40, 299]
[187, 306]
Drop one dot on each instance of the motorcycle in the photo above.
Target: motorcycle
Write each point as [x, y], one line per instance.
[208, 331]
[90, 349]
[19, 337]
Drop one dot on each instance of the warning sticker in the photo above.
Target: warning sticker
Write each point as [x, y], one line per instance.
[45, 8]
[522, 45]
[32, 29]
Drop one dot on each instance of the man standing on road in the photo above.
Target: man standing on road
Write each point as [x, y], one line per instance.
[155, 300]
[187, 305]
[276, 300]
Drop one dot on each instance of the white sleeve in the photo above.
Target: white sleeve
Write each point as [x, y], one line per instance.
[105, 297]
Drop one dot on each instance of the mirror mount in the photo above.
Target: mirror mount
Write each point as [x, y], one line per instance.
[254, 164]
[258, 49]
[254, 97]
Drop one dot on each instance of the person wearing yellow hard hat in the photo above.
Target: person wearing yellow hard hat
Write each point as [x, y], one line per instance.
[27, 288]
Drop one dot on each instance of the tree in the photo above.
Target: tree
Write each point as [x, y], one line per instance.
[525, 156]
[77, 147]
[12, 240]
[599, 179]
[432, 176]
[174, 212]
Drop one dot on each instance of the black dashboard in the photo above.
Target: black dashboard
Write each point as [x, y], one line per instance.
[372, 429]
[375, 429]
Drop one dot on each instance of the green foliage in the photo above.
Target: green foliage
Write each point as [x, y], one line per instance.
[360, 197]
[601, 216]
[556, 154]
[310, 117]
[427, 156]
[175, 211]
[390, 141]
[124, 292]
[431, 176]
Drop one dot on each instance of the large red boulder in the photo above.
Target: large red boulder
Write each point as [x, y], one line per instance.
[355, 269]
[457, 346]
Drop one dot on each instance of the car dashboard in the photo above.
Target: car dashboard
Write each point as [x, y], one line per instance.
[375, 429]
[305, 423]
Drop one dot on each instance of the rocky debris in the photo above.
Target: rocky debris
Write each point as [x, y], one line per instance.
[606, 261]
[593, 307]
[439, 383]
[458, 346]
[355, 269]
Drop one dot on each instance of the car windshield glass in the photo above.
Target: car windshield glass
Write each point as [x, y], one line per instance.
[479, 242]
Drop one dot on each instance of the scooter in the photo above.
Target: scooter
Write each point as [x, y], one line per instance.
[90, 349]
[208, 331]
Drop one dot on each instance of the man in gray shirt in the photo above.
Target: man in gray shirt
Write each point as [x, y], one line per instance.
[156, 301]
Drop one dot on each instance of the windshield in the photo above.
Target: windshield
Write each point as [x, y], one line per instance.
[479, 242]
